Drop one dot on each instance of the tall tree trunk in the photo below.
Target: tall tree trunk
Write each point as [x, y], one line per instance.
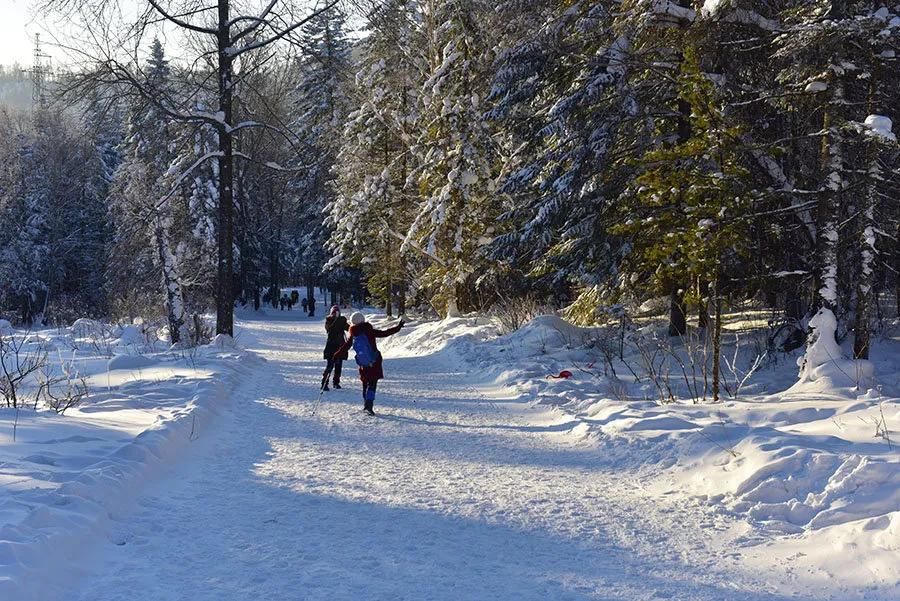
[865, 291]
[401, 298]
[677, 318]
[828, 205]
[717, 341]
[225, 233]
[171, 285]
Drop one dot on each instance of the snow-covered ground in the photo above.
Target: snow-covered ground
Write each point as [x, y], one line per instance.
[62, 477]
[482, 479]
[812, 467]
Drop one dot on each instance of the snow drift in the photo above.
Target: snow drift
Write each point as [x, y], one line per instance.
[62, 477]
[803, 460]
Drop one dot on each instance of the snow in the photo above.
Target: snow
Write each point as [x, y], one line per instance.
[823, 366]
[481, 479]
[802, 464]
[879, 126]
[711, 7]
[64, 477]
[668, 7]
[815, 87]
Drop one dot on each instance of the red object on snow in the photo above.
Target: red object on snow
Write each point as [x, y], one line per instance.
[563, 375]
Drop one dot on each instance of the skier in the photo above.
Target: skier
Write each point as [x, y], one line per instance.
[362, 339]
[312, 307]
[335, 324]
[303, 304]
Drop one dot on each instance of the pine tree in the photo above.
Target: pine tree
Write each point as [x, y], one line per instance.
[455, 221]
[834, 56]
[375, 161]
[685, 212]
[143, 195]
[320, 107]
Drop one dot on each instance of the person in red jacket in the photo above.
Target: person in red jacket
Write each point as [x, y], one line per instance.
[372, 373]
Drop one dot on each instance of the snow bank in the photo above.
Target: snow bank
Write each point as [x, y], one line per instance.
[804, 462]
[425, 338]
[823, 368]
[63, 477]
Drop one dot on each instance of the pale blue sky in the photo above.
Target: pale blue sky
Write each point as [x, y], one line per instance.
[16, 32]
[18, 24]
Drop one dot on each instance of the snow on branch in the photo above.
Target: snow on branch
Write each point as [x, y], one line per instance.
[271, 164]
[751, 17]
[717, 9]
[671, 9]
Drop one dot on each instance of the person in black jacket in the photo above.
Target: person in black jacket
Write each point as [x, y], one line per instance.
[335, 325]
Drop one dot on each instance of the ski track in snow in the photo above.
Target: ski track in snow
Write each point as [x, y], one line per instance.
[445, 495]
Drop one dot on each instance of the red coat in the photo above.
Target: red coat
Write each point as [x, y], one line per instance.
[373, 372]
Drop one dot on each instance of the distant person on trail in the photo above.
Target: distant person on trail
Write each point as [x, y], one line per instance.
[312, 307]
[335, 325]
[282, 301]
[303, 304]
[362, 339]
[295, 297]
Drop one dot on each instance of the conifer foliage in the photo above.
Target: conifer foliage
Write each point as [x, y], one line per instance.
[581, 153]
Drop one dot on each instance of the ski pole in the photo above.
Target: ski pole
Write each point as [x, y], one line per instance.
[325, 377]
[318, 400]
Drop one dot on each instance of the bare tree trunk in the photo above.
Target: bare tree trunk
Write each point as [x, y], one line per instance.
[717, 342]
[827, 210]
[401, 298]
[171, 285]
[865, 296]
[677, 318]
[225, 225]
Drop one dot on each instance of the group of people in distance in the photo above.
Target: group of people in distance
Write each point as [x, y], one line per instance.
[362, 338]
[287, 301]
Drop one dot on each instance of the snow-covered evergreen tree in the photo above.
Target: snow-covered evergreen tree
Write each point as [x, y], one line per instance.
[320, 107]
[371, 213]
[143, 200]
[833, 58]
[456, 219]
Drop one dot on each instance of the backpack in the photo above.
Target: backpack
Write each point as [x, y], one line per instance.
[365, 354]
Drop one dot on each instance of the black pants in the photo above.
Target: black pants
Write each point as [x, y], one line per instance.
[368, 392]
[335, 366]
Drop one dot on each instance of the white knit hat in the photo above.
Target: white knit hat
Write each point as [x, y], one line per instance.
[357, 318]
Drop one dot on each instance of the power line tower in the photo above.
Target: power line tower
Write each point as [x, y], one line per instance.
[40, 72]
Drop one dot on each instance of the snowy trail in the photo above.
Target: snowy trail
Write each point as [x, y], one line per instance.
[444, 496]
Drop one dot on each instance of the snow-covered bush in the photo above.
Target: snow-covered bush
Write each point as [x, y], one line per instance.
[513, 313]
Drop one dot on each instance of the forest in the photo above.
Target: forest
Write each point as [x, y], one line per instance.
[458, 156]
[620, 278]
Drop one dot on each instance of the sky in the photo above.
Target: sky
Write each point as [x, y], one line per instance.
[19, 24]
[16, 32]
